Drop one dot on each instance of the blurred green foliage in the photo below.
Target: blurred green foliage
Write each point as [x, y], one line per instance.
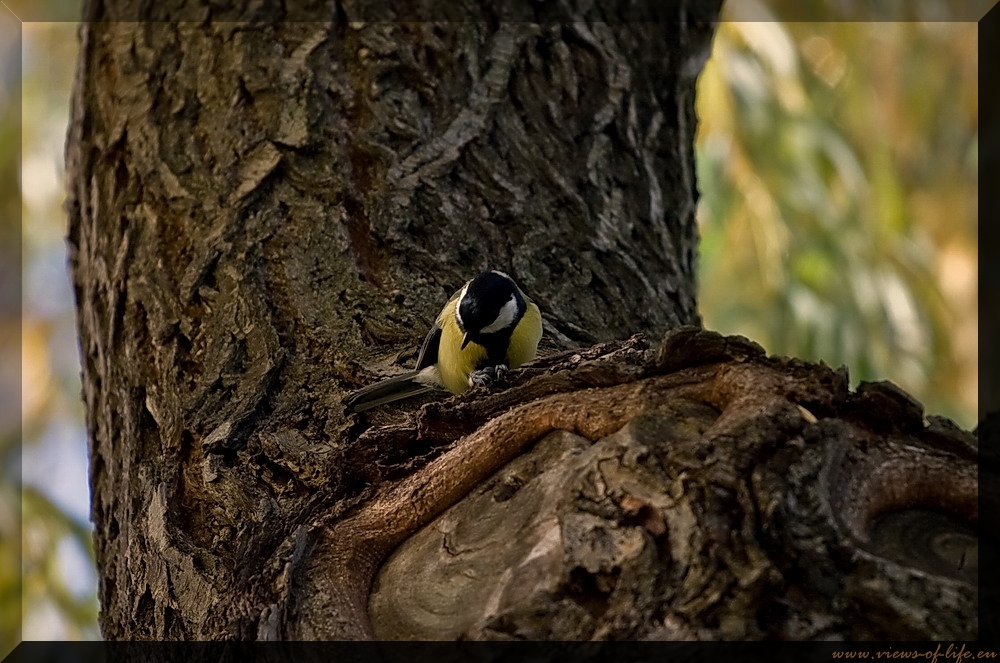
[47, 577]
[837, 164]
[10, 566]
[837, 167]
[48, 532]
[10, 332]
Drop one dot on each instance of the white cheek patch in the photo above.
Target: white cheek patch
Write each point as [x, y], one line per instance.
[505, 319]
[458, 308]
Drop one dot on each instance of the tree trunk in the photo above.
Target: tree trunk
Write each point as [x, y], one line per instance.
[265, 216]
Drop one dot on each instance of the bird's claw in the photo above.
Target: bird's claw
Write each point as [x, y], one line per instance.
[488, 376]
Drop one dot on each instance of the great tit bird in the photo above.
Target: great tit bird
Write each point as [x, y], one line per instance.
[487, 327]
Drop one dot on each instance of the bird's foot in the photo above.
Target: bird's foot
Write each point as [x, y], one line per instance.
[488, 376]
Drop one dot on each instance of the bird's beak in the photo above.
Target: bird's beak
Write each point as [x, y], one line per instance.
[465, 341]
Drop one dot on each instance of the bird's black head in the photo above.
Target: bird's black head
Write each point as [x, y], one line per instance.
[490, 304]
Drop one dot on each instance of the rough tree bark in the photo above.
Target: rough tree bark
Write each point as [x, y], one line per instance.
[264, 216]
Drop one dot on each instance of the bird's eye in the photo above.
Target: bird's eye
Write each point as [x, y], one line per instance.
[467, 316]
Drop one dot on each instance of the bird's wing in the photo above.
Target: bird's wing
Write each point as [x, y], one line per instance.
[429, 350]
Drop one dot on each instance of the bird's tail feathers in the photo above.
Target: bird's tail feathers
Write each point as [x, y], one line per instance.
[388, 390]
